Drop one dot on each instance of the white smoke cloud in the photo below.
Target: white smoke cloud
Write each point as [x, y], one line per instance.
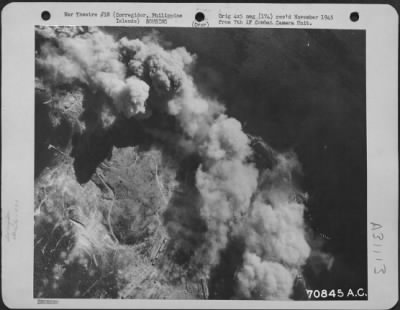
[226, 188]
[264, 279]
[169, 75]
[91, 58]
[132, 98]
[275, 236]
[226, 139]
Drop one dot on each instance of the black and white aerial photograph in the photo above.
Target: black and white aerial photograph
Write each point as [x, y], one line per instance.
[200, 163]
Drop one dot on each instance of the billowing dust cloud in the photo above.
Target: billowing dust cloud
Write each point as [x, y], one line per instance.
[139, 80]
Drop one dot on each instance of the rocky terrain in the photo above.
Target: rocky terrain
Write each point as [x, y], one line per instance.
[105, 238]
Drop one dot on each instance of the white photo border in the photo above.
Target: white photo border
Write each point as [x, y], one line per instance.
[18, 20]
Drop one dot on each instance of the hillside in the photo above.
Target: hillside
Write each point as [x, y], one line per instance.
[105, 238]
